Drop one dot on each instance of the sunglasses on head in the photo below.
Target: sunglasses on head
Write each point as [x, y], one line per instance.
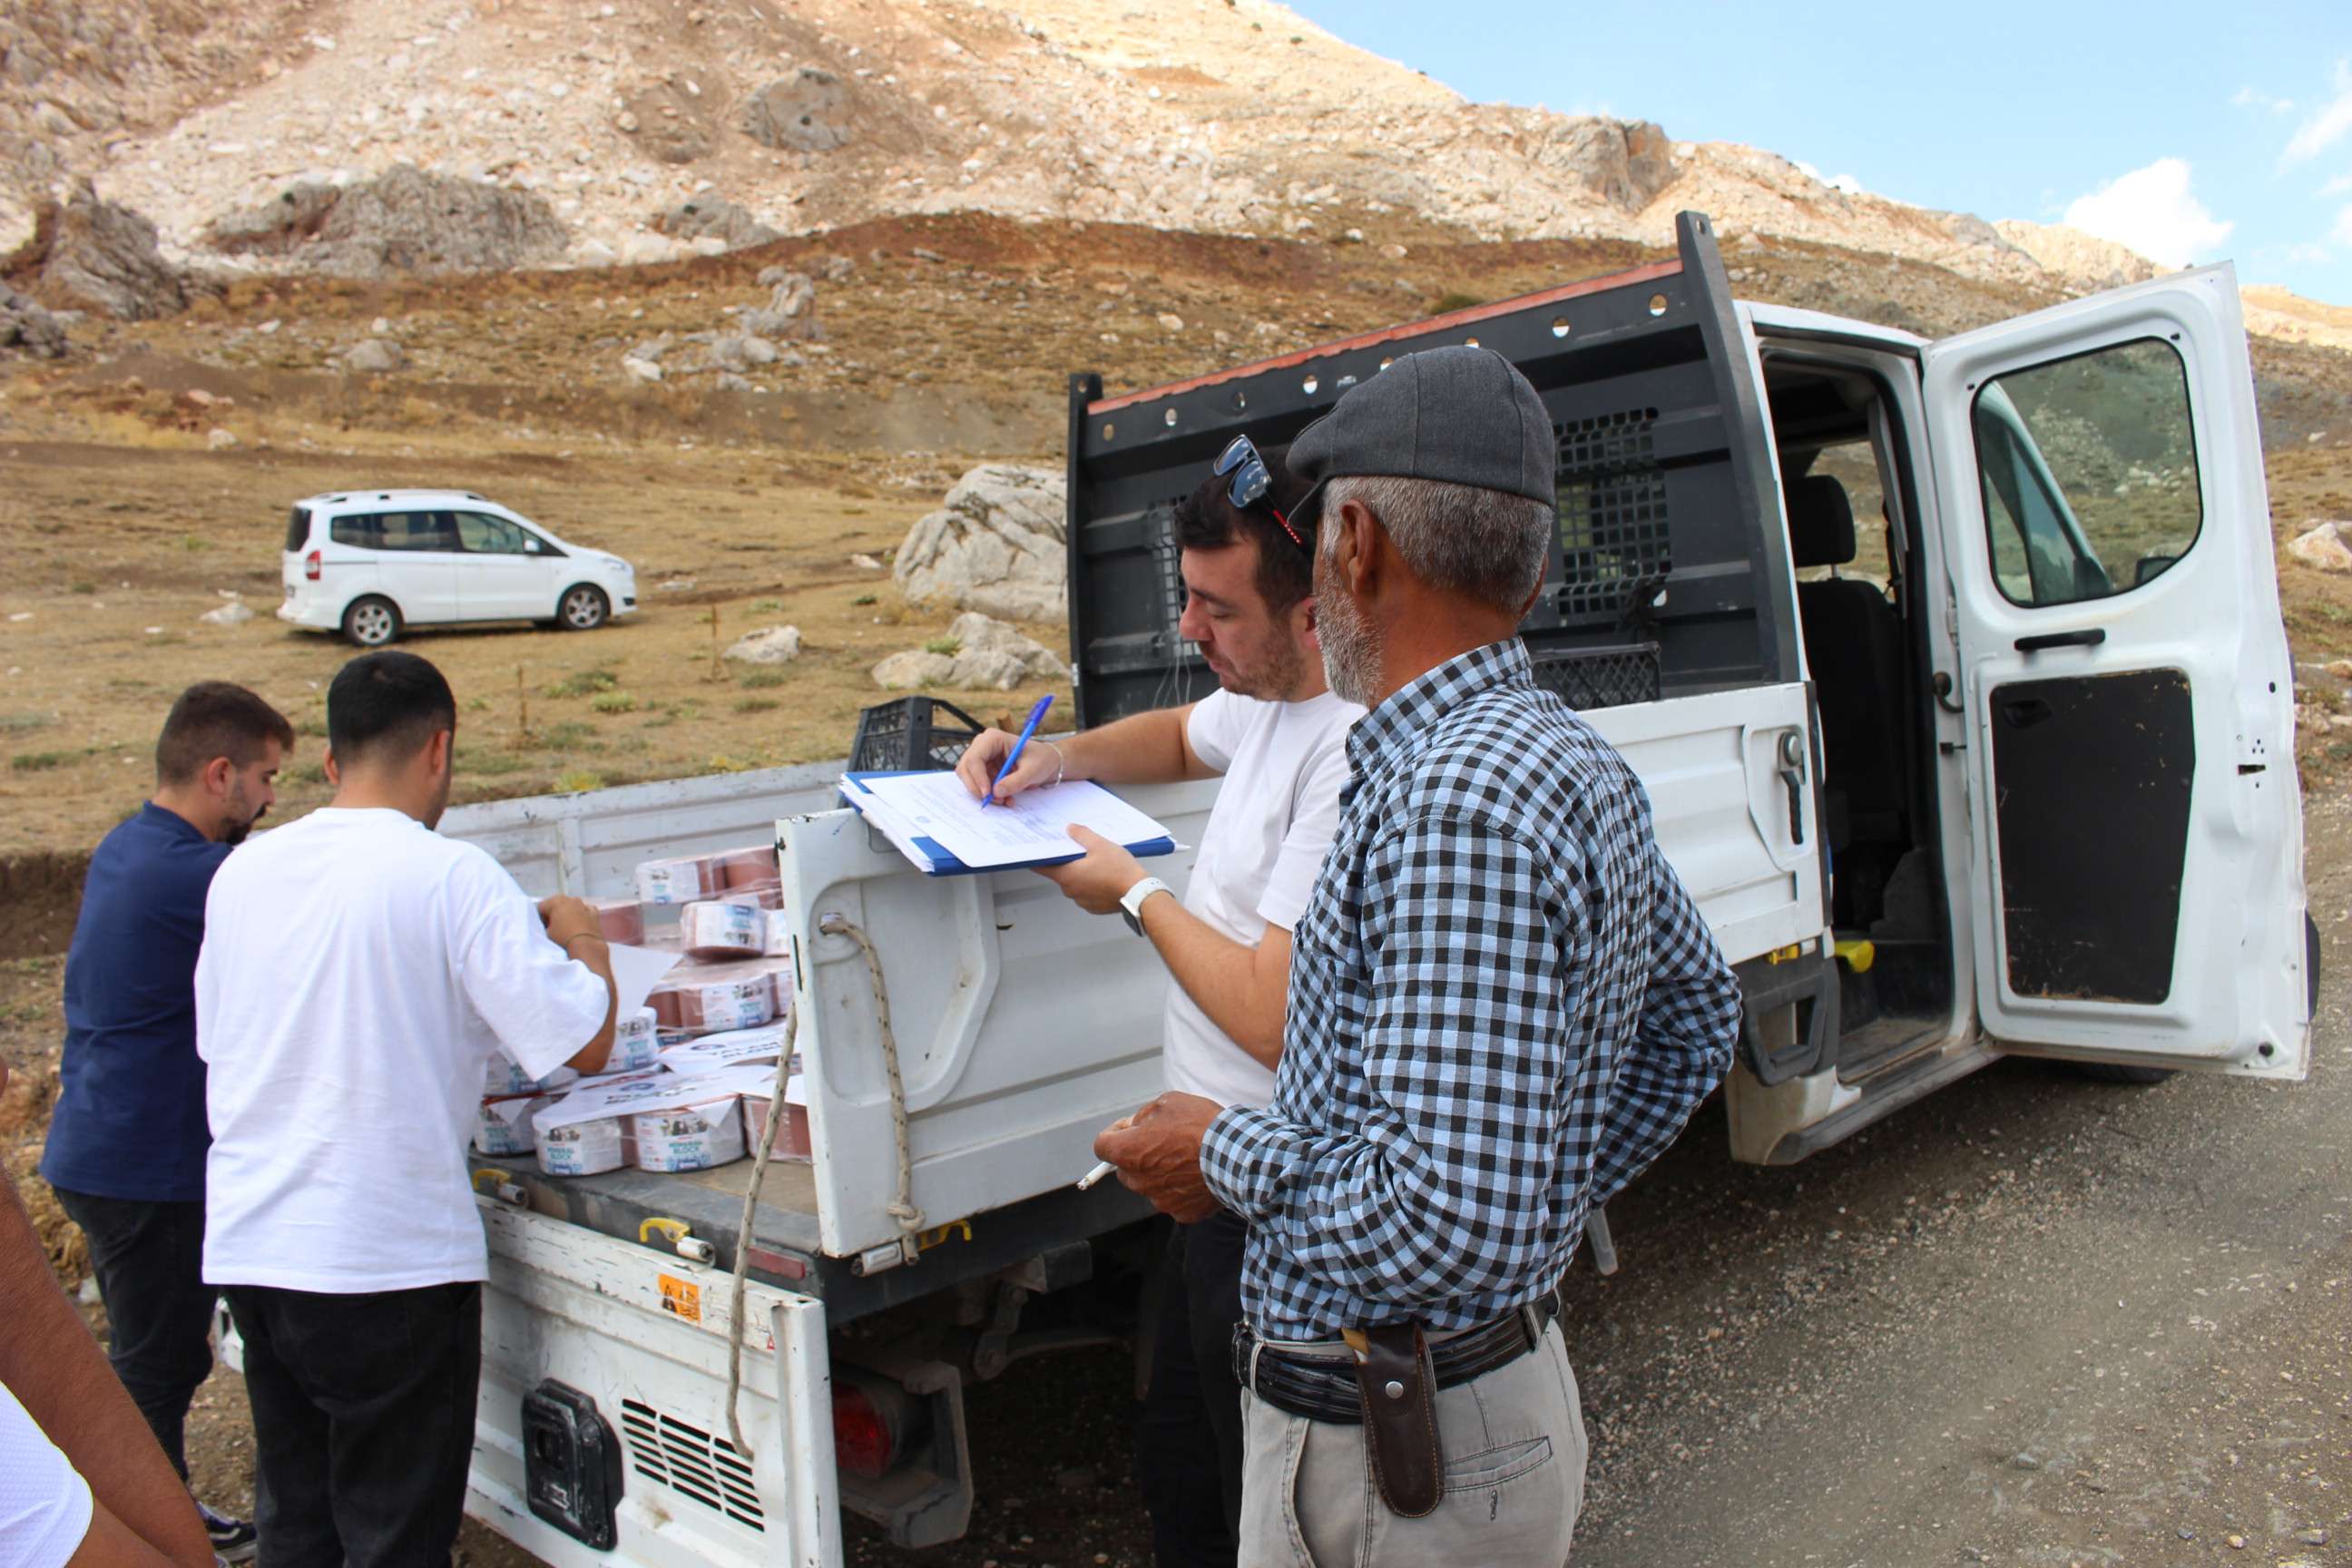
[1250, 482]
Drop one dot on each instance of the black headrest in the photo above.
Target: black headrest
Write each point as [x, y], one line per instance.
[1821, 522]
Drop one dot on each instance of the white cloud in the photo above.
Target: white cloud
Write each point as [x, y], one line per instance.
[2253, 98]
[1845, 182]
[2326, 127]
[2153, 211]
[2342, 233]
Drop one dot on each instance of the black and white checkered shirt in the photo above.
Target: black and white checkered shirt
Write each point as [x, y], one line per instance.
[1503, 1005]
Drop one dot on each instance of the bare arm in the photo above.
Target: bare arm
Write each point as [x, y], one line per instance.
[1142, 748]
[1245, 991]
[571, 925]
[140, 1513]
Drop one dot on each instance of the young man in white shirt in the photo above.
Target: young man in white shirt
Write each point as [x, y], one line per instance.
[358, 970]
[1279, 738]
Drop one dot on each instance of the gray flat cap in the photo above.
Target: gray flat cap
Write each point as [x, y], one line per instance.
[1460, 414]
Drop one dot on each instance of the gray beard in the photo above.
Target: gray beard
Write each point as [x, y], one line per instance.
[1352, 648]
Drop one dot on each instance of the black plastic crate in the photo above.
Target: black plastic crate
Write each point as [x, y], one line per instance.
[1609, 677]
[909, 735]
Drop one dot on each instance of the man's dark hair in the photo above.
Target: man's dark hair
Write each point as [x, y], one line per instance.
[386, 705]
[1208, 520]
[215, 719]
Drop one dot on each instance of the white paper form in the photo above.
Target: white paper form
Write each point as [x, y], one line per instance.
[636, 972]
[1033, 827]
[659, 1092]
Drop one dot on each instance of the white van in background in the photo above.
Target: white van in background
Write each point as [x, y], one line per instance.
[367, 564]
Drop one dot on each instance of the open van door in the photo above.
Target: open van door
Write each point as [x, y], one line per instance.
[2136, 829]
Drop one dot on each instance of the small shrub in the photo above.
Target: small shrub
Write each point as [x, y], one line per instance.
[489, 762]
[756, 679]
[17, 723]
[614, 702]
[571, 735]
[190, 541]
[584, 683]
[40, 762]
[756, 705]
[767, 604]
[1457, 301]
[866, 599]
[576, 781]
[85, 587]
[946, 646]
[477, 704]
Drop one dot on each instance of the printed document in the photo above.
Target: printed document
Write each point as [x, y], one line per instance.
[1034, 827]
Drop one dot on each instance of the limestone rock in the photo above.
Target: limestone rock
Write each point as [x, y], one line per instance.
[769, 645]
[374, 356]
[807, 112]
[988, 653]
[789, 314]
[24, 325]
[219, 440]
[403, 221]
[714, 217]
[997, 544]
[230, 615]
[642, 370]
[86, 251]
[2322, 546]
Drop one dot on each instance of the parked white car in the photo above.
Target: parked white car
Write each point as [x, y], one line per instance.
[368, 563]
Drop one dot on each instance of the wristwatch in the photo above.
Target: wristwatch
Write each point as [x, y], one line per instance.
[1131, 906]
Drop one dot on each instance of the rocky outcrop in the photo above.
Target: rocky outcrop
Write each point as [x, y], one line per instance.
[997, 544]
[789, 314]
[374, 356]
[769, 645]
[406, 221]
[28, 327]
[976, 653]
[806, 111]
[714, 217]
[88, 252]
[2322, 545]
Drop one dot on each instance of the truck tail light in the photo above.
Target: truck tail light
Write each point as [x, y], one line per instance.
[311, 566]
[864, 1443]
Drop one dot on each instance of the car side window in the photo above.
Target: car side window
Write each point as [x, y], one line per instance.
[2089, 472]
[363, 530]
[414, 530]
[483, 534]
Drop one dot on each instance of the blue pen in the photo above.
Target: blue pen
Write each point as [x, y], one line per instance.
[1027, 730]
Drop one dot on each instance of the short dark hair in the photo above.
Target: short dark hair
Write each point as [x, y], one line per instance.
[1208, 520]
[216, 719]
[387, 704]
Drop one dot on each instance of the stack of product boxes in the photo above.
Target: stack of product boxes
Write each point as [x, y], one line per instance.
[713, 1014]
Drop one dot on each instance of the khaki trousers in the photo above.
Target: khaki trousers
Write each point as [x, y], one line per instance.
[1514, 1451]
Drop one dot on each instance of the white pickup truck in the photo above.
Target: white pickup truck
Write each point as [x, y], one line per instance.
[2009, 768]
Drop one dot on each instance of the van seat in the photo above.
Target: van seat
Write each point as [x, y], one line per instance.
[1854, 648]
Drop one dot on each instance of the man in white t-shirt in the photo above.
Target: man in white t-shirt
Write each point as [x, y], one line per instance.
[358, 970]
[1280, 739]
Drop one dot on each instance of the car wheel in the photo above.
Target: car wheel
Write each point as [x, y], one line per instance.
[370, 622]
[583, 608]
[2120, 1072]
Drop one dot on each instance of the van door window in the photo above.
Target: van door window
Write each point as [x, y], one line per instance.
[407, 531]
[483, 534]
[298, 529]
[2089, 470]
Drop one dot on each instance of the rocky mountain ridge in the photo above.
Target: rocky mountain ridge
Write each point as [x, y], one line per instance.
[1219, 116]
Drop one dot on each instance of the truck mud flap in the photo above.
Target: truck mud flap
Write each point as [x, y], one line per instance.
[1788, 1017]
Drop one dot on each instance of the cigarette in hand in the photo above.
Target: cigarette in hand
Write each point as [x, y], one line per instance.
[1096, 1175]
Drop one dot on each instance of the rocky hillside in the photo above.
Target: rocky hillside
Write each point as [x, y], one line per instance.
[643, 129]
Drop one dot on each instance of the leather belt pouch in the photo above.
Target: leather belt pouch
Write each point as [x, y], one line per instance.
[1396, 1384]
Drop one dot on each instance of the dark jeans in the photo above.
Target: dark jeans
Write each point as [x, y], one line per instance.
[1188, 1462]
[149, 1260]
[362, 1421]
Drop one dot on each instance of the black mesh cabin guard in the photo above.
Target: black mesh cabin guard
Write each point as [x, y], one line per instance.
[1665, 577]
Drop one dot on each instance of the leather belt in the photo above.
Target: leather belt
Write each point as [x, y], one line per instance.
[1321, 1386]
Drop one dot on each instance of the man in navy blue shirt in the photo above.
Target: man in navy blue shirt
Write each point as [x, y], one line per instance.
[126, 1147]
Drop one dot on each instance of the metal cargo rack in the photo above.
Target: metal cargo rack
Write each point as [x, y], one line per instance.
[1669, 517]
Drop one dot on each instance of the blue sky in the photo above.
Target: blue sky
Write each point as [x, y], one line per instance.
[2192, 132]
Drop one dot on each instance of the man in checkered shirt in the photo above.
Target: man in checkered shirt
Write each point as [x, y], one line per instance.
[1503, 1006]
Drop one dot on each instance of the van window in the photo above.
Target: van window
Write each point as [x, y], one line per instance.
[397, 530]
[2089, 470]
[298, 529]
[483, 534]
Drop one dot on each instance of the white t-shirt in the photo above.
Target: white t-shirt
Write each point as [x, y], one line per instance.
[45, 1505]
[1283, 764]
[358, 970]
